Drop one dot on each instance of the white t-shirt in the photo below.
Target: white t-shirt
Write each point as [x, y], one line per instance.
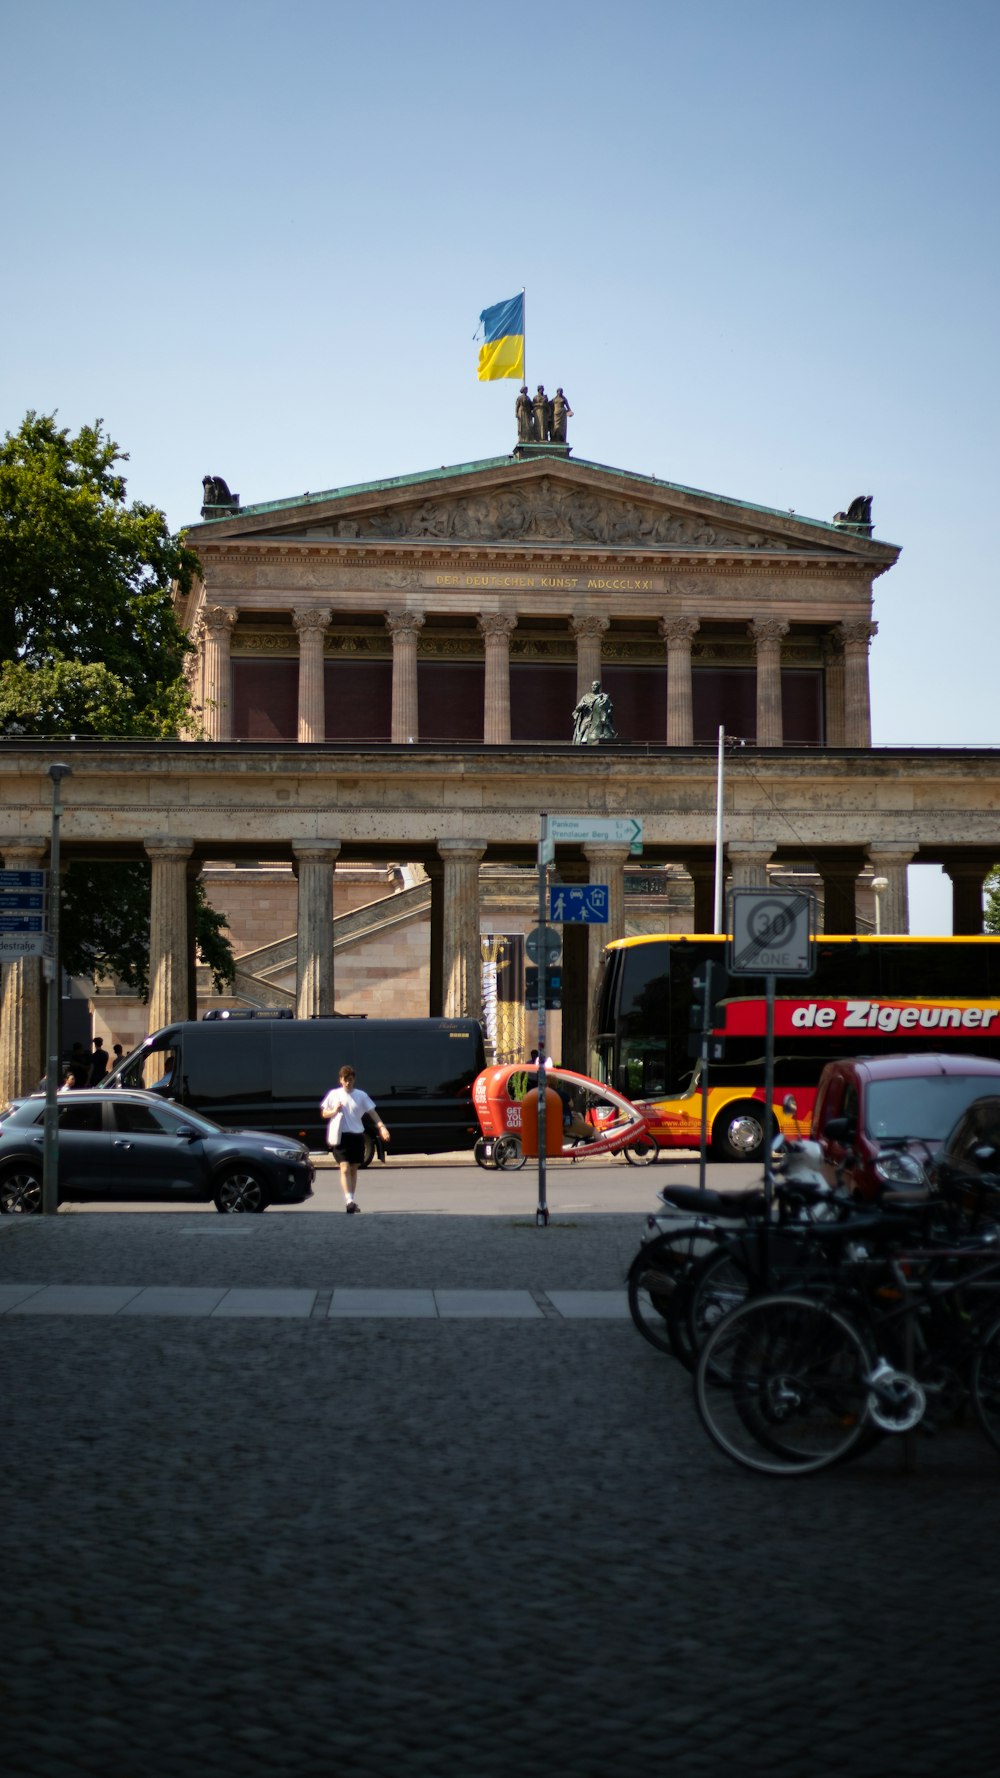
[349, 1107]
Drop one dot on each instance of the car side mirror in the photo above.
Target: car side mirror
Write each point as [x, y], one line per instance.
[187, 1132]
[789, 1105]
[839, 1129]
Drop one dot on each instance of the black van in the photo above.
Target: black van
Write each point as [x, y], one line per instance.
[272, 1073]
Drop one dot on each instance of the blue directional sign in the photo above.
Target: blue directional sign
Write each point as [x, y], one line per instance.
[580, 904]
[22, 879]
[20, 922]
[20, 901]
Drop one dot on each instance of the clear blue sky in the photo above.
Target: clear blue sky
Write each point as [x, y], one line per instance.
[759, 243]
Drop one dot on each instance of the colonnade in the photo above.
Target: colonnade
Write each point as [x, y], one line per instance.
[455, 960]
[848, 704]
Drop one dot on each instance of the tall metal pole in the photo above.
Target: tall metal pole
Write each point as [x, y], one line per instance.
[53, 973]
[717, 927]
[542, 1213]
[524, 324]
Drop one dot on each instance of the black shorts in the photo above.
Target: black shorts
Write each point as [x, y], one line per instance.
[350, 1148]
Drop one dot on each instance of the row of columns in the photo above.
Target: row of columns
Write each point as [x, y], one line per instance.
[455, 957]
[848, 698]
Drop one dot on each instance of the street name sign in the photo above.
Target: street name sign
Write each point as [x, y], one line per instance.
[25, 944]
[579, 830]
[771, 932]
[585, 904]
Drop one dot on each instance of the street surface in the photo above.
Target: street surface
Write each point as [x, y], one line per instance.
[475, 1542]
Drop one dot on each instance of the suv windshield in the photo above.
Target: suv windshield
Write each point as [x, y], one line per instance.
[926, 1106]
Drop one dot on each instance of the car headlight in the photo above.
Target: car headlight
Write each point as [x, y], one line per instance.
[899, 1167]
[283, 1154]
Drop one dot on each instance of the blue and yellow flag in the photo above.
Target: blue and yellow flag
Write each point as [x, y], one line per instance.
[502, 351]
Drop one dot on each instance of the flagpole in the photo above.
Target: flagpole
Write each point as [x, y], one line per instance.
[524, 324]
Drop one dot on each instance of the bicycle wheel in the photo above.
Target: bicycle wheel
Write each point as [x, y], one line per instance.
[508, 1154]
[782, 1386]
[714, 1287]
[654, 1277]
[642, 1154]
[984, 1384]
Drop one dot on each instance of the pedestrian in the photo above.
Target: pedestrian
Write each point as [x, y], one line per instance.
[78, 1066]
[347, 1108]
[100, 1062]
[118, 1054]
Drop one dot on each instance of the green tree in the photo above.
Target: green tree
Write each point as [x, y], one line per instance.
[90, 645]
[991, 905]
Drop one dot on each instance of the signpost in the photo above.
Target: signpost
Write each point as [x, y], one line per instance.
[579, 830]
[583, 904]
[771, 934]
[23, 909]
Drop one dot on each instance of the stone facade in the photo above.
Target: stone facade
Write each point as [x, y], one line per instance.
[387, 675]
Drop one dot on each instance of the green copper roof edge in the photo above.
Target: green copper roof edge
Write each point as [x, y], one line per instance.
[446, 472]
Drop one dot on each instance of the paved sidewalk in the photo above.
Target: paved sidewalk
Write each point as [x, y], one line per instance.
[446, 1544]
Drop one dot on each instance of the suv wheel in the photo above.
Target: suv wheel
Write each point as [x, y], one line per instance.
[240, 1192]
[21, 1192]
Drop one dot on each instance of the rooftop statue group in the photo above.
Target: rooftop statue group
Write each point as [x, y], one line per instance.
[539, 419]
[594, 718]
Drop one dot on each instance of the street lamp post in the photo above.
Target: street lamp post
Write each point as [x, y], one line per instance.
[879, 885]
[53, 974]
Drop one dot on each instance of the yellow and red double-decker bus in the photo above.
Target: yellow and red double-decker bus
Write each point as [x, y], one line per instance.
[868, 996]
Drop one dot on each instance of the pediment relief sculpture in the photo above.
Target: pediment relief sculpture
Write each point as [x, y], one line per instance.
[549, 513]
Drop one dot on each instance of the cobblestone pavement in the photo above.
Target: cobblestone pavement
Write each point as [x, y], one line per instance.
[450, 1547]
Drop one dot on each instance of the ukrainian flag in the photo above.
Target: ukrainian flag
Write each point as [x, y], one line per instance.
[502, 351]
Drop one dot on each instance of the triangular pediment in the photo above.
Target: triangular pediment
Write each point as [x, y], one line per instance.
[549, 502]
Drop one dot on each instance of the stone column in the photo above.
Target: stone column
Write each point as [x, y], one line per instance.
[462, 958]
[404, 628]
[607, 865]
[496, 627]
[748, 865]
[678, 633]
[833, 661]
[588, 632]
[894, 903]
[702, 874]
[435, 994]
[966, 897]
[21, 1050]
[169, 933]
[767, 633]
[839, 881]
[575, 1052]
[857, 635]
[315, 861]
[312, 627]
[219, 621]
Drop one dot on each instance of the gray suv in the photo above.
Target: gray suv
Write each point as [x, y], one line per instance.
[135, 1145]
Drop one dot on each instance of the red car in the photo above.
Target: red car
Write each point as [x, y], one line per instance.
[880, 1120]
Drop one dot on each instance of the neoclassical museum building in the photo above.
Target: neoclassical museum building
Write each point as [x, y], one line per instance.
[388, 674]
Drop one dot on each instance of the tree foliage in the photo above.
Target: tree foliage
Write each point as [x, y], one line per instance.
[90, 646]
[991, 901]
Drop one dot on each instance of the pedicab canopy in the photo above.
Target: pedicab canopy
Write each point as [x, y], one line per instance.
[613, 1121]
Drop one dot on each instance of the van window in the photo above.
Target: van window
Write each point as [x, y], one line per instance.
[226, 1064]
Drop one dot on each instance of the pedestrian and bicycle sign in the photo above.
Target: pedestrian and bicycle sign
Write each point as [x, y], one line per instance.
[542, 941]
[586, 904]
[771, 932]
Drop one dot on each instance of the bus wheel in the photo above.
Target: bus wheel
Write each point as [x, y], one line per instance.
[738, 1133]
